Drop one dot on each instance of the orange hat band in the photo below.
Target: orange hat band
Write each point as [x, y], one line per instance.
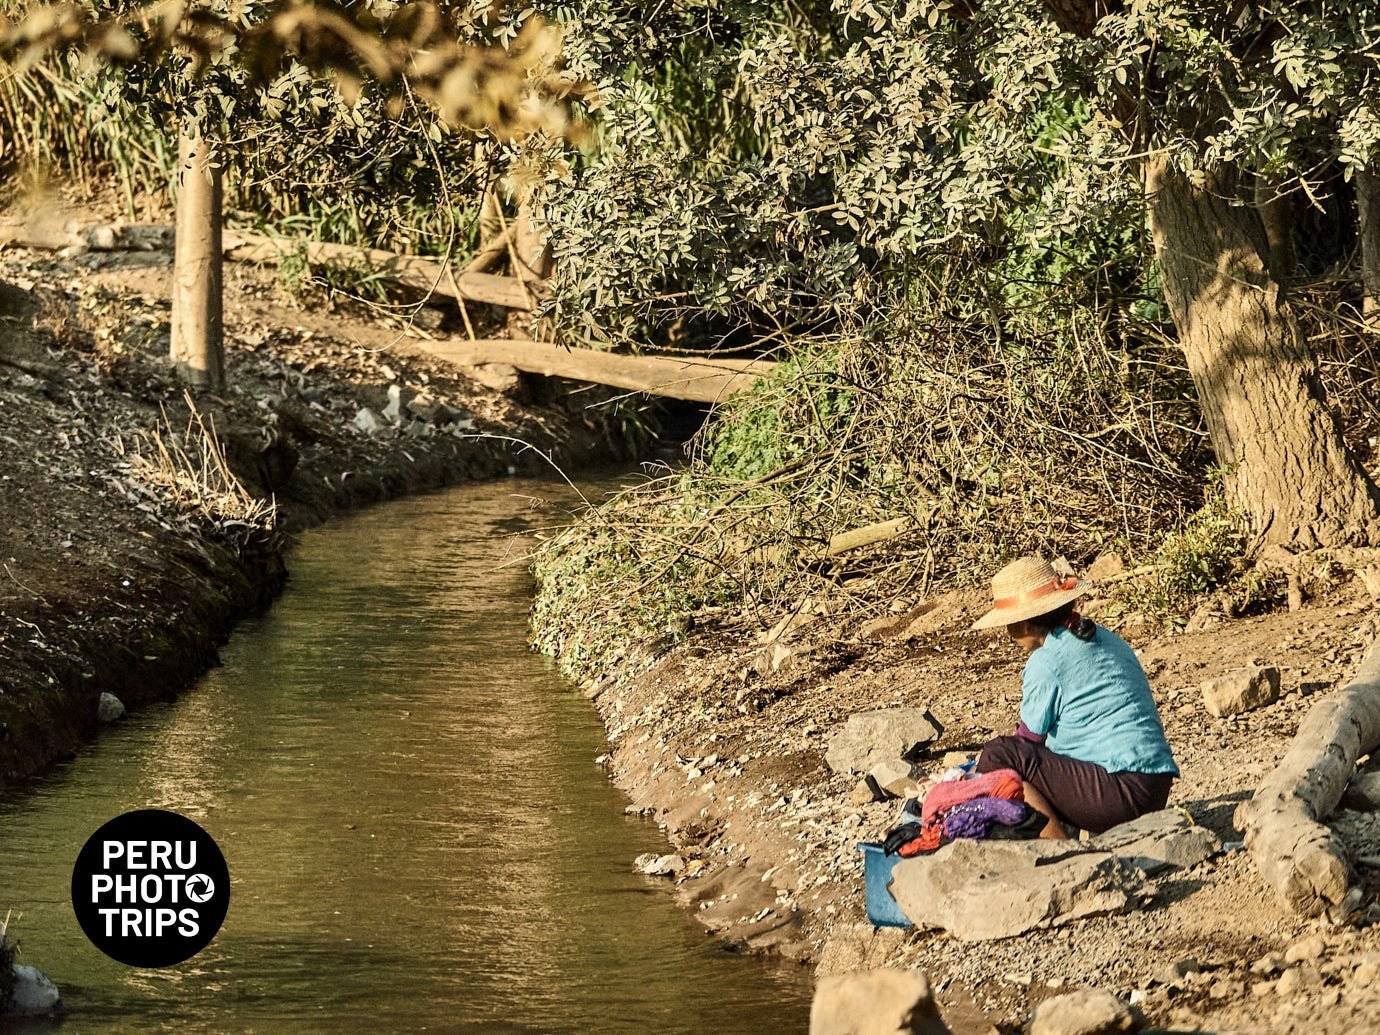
[1056, 586]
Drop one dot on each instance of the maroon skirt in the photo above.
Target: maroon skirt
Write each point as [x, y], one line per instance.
[1081, 793]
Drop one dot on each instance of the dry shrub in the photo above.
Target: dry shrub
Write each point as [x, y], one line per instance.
[1057, 443]
[188, 473]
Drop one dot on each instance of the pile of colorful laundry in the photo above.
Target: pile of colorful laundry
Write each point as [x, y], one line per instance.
[961, 803]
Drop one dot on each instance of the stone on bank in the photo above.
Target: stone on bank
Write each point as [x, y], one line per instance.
[110, 708]
[876, 1002]
[33, 995]
[1085, 1012]
[868, 739]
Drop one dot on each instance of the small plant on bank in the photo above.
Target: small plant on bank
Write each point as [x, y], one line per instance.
[1206, 552]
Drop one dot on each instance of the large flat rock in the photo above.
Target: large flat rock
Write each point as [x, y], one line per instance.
[981, 890]
[875, 1002]
[1159, 841]
[977, 893]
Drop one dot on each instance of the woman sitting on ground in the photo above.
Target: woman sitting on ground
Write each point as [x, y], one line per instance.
[1090, 746]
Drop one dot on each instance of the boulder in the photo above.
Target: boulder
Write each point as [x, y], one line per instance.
[1241, 690]
[1305, 950]
[1370, 578]
[659, 865]
[33, 995]
[1085, 1012]
[777, 658]
[1297, 979]
[868, 739]
[1107, 565]
[984, 890]
[893, 776]
[875, 1002]
[369, 422]
[498, 376]
[109, 708]
[1173, 974]
[1159, 841]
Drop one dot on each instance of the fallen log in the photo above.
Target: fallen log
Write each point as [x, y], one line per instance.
[426, 275]
[1302, 859]
[693, 378]
[867, 535]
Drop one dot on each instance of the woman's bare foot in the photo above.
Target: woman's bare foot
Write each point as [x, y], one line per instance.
[1054, 830]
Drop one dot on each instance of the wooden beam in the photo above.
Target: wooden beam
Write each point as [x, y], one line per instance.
[422, 274]
[693, 378]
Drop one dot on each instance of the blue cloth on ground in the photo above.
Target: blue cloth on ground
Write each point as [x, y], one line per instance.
[1092, 700]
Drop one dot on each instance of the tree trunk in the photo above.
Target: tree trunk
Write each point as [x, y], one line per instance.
[1303, 860]
[531, 243]
[490, 216]
[1288, 466]
[1368, 228]
[197, 336]
[532, 259]
[1277, 221]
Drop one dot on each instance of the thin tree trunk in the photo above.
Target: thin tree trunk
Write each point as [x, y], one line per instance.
[1368, 226]
[533, 262]
[490, 217]
[1258, 388]
[197, 335]
[1277, 220]
[531, 243]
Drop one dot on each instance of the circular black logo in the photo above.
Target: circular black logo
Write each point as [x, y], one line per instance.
[150, 888]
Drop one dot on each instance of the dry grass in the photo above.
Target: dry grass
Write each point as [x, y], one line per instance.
[188, 471]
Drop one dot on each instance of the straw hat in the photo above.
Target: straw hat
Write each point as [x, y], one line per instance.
[1026, 588]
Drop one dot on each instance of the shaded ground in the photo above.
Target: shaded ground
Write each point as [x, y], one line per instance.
[769, 831]
[119, 570]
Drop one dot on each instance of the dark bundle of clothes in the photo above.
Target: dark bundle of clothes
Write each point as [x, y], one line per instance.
[988, 805]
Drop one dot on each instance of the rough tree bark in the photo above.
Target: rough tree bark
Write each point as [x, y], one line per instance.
[197, 335]
[1368, 229]
[1277, 222]
[1258, 387]
[1303, 860]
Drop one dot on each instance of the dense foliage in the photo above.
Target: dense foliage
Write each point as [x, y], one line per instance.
[932, 210]
[950, 194]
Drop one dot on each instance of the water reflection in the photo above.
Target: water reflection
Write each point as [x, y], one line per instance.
[405, 797]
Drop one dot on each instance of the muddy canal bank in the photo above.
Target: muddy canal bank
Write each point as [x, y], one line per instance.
[125, 556]
[719, 734]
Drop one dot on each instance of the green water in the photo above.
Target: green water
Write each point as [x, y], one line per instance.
[417, 837]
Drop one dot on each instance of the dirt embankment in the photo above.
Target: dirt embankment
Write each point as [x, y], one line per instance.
[123, 567]
[722, 739]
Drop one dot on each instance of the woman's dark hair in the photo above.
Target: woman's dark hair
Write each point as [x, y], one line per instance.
[1069, 618]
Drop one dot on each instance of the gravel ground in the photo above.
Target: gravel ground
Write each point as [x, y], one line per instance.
[728, 755]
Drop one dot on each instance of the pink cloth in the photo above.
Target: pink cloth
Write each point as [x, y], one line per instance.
[1000, 783]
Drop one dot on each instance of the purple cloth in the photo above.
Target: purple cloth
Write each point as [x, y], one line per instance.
[975, 818]
[1024, 732]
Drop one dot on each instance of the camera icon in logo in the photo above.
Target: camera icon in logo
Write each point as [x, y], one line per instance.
[199, 887]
